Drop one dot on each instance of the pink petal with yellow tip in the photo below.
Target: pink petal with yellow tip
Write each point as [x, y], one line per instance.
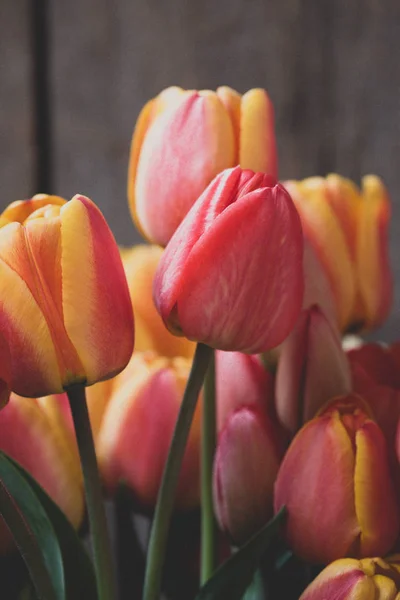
[376, 504]
[257, 133]
[344, 579]
[373, 265]
[93, 279]
[183, 150]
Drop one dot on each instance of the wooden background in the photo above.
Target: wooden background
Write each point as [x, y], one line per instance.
[331, 68]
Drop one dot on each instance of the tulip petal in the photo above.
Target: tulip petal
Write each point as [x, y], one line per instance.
[322, 228]
[94, 279]
[318, 492]
[257, 133]
[344, 579]
[39, 446]
[21, 209]
[22, 321]
[245, 468]
[182, 152]
[375, 498]
[232, 102]
[373, 266]
[244, 243]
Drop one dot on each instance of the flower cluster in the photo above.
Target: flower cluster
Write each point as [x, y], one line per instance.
[267, 276]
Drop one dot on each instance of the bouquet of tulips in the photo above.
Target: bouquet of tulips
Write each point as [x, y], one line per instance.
[255, 440]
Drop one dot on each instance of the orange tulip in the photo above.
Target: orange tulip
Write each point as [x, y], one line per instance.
[39, 441]
[137, 430]
[140, 264]
[182, 140]
[65, 310]
[348, 228]
[337, 485]
[350, 579]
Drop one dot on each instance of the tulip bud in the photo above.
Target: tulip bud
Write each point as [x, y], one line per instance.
[232, 276]
[65, 311]
[140, 264]
[137, 429]
[247, 458]
[312, 369]
[40, 444]
[348, 229]
[351, 579]
[337, 486]
[182, 140]
[241, 380]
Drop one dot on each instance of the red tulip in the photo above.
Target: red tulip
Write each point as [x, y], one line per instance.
[231, 276]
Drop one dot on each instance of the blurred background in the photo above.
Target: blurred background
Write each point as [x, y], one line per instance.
[75, 74]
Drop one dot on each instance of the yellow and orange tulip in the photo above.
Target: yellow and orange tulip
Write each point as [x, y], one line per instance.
[140, 264]
[182, 140]
[348, 229]
[338, 487]
[351, 579]
[137, 429]
[65, 309]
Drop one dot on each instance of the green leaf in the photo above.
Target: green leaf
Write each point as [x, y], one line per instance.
[233, 577]
[256, 590]
[80, 580]
[32, 532]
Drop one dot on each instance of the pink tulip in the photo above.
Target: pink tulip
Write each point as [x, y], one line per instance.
[231, 276]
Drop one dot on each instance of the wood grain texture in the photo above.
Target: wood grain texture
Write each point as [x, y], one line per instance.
[16, 143]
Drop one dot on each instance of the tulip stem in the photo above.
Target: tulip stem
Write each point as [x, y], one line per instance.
[96, 512]
[166, 495]
[208, 441]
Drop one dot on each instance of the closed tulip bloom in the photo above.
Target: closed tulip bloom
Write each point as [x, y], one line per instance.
[348, 229]
[137, 429]
[312, 369]
[231, 276]
[241, 380]
[249, 450]
[337, 486]
[40, 443]
[351, 579]
[182, 140]
[65, 310]
[140, 264]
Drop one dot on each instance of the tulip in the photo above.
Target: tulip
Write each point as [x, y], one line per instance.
[232, 276]
[182, 140]
[65, 310]
[351, 579]
[336, 484]
[140, 264]
[312, 369]
[241, 380]
[137, 429]
[246, 463]
[39, 442]
[376, 376]
[348, 229]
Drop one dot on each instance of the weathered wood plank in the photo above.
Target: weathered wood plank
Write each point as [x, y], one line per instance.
[16, 144]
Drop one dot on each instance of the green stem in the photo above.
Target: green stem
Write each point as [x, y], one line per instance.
[94, 500]
[166, 495]
[208, 442]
